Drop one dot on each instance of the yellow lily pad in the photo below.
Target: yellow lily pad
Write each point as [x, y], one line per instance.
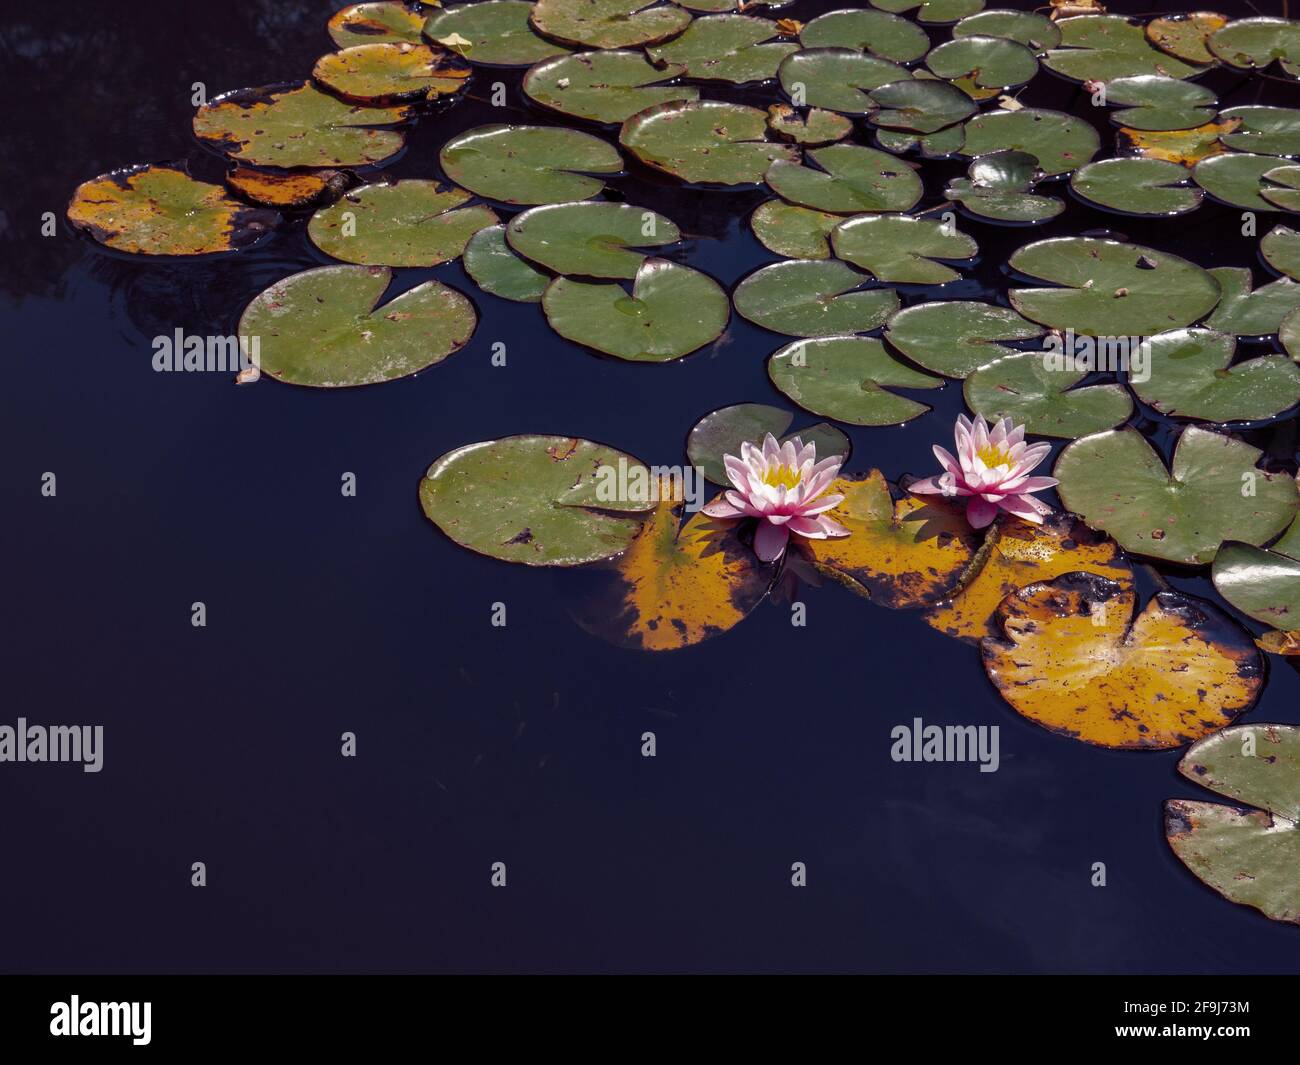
[1187, 147]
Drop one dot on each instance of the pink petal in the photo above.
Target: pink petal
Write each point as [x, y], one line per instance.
[1025, 507]
[980, 512]
[720, 508]
[947, 461]
[770, 541]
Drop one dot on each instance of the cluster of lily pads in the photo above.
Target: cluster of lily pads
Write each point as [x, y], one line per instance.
[862, 98]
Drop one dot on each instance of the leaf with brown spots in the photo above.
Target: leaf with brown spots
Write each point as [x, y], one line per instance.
[286, 188]
[391, 72]
[1074, 659]
[1187, 147]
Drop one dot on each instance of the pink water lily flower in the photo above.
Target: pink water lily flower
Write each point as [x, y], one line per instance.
[992, 468]
[783, 486]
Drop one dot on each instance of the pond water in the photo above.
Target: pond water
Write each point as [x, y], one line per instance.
[479, 744]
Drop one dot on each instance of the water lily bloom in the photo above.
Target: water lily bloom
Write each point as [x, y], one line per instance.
[784, 487]
[992, 468]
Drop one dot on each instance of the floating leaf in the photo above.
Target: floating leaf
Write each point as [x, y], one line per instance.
[286, 188]
[1059, 142]
[498, 270]
[1281, 187]
[1117, 482]
[1236, 179]
[1137, 186]
[1109, 288]
[498, 31]
[375, 24]
[1031, 391]
[298, 125]
[848, 379]
[851, 179]
[529, 164]
[672, 311]
[1263, 130]
[1072, 657]
[1105, 47]
[1246, 312]
[900, 554]
[1185, 146]
[1185, 36]
[391, 72]
[795, 232]
[837, 79]
[608, 23]
[957, 337]
[877, 32]
[816, 127]
[603, 86]
[589, 239]
[1017, 554]
[903, 249]
[811, 298]
[998, 188]
[160, 210]
[1262, 584]
[919, 106]
[941, 145]
[1028, 28]
[407, 223]
[1247, 856]
[536, 500]
[1280, 248]
[1192, 375]
[721, 432]
[1254, 43]
[732, 48]
[325, 327]
[991, 62]
[1152, 102]
[932, 11]
[705, 141]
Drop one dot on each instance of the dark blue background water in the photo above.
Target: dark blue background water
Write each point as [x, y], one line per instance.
[480, 744]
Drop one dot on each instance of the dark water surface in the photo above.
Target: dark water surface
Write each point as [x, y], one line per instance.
[481, 744]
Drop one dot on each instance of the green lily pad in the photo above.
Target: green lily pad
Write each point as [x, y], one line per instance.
[1185, 36]
[731, 48]
[940, 145]
[1192, 375]
[902, 249]
[815, 128]
[298, 125]
[877, 32]
[851, 179]
[1281, 187]
[498, 270]
[1263, 130]
[160, 210]
[498, 32]
[1236, 179]
[608, 23]
[1253, 43]
[672, 311]
[957, 337]
[1109, 288]
[1248, 856]
[919, 106]
[1264, 585]
[991, 62]
[1105, 47]
[325, 327]
[1280, 248]
[589, 239]
[706, 141]
[406, 223]
[837, 79]
[1288, 332]
[1246, 312]
[848, 379]
[1059, 142]
[529, 164]
[535, 500]
[1117, 483]
[604, 86]
[1025, 27]
[375, 23]
[721, 432]
[813, 298]
[1027, 389]
[391, 72]
[795, 232]
[998, 188]
[1152, 102]
[1137, 186]
[932, 11]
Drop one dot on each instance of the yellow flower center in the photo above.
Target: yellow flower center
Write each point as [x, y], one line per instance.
[781, 476]
[994, 455]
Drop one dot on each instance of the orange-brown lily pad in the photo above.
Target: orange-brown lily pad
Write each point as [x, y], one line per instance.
[391, 72]
[286, 188]
[1073, 658]
[1277, 642]
[1187, 147]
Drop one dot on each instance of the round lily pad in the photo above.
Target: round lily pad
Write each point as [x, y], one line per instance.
[837, 79]
[903, 249]
[1107, 288]
[795, 232]
[498, 32]
[1281, 187]
[391, 72]
[814, 128]
[1137, 186]
[848, 379]
[375, 23]
[326, 328]
[1186, 36]
[935, 12]
[298, 125]
[604, 86]
[589, 239]
[1288, 332]
[529, 164]
[1025, 27]
[1264, 585]
[161, 210]
[1105, 47]
[851, 179]
[608, 23]
[731, 48]
[536, 500]
[1059, 142]
[957, 337]
[1152, 102]
[813, 298]
[1280, 248]
[286, 188]
[406, 223]
[672, 311]
[498, 270]
[1029, 390]
[721, 432]
[1254, 43]
[1263, 130]
[919, 106]
[1117, 482]
[998, 188]
[1192, 375]
[991, 62]
[1184, 146]
[1236, 179]
[705, 141]
[877, 32]
[1251, 312]
[946, 142]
